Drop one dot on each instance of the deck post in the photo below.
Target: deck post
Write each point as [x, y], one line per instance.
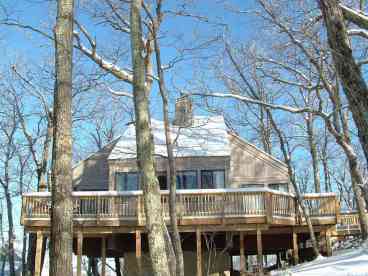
[138, 251]
[103, 257]
[269, 207]
[199, 253]
[242, 257]
[295, 248]
[38, 253]
[328, 242]
[80, 253]
[259, 250]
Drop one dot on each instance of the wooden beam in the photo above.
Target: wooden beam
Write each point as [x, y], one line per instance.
[295, 248]
[38, 253]
[328, 243]
[103, 256]
[199, 253]
[79, 253]
[242, 257]
[259, 250]
[138, 251]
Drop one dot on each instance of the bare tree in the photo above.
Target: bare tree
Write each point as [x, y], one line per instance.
[145, 148]
[348, 69]
[169, 141]
[8, 129]
[61, 199]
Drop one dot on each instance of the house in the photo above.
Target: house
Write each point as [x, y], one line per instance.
[233, 199]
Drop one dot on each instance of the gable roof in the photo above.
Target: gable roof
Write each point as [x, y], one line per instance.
[92, 173]
[208, 136]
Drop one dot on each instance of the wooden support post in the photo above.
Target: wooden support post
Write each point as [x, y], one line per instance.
[269, 207]
[103, 257]
[80, 253]
[242, 257]
[199, 253]
[328, 243]
[259, 250]
[138, 251]
[38, 253]
[295, 248]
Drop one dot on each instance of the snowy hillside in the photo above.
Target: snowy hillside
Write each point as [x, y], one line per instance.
[352, 262]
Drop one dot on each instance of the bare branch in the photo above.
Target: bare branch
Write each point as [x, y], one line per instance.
[358, 32]
[358, 18]
[258, 102]
[119, 93]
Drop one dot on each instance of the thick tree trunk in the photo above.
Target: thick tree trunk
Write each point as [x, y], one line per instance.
[11, 235]
[351, 77]
[145, 149]
[171, 160]
[61, 199]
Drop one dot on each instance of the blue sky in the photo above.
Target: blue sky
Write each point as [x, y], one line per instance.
[34, 50]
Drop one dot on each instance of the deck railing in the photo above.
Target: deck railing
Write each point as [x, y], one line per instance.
[191, 204]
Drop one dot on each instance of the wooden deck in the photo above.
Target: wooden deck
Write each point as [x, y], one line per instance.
[348, 225]
[227, 209]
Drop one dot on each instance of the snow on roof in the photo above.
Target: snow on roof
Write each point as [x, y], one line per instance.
[207, 136]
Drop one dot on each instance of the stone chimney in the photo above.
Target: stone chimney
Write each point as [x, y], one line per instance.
[183, 112]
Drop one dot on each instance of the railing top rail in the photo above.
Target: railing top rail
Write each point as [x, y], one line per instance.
[318, 195]
[187, 191]
[349, 213]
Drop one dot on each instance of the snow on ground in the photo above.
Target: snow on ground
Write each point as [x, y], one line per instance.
[351, 262]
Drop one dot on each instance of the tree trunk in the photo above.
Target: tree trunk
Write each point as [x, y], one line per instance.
[348, 70]
[299, 199]
[11, 235]
[356, 180]
[117, 266]
[171, 159]
[24, 246]
[313, 152]
[342, 138]
[61, 199]
[92, 262]
[3, 261]
[145, 149]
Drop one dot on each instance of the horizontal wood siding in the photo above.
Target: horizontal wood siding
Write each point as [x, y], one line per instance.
[92, 174]
[250, 165]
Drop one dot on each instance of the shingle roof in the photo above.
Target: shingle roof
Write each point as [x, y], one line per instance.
[208, 136]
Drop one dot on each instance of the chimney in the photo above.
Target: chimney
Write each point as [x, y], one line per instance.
[183, 112]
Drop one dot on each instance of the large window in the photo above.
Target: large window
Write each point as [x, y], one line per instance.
[213, 179]
[127, 181]
[186, 180]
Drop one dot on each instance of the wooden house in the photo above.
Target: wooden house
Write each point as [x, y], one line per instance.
[233, 200]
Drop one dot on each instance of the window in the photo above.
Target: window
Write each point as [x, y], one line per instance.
[213, 179]
[186, 180]
[162, 180]
[127, 181]
[283, 187]
[251, 186]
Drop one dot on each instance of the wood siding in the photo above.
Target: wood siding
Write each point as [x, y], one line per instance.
[250, 165]
[92, 174]
[246, 165]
